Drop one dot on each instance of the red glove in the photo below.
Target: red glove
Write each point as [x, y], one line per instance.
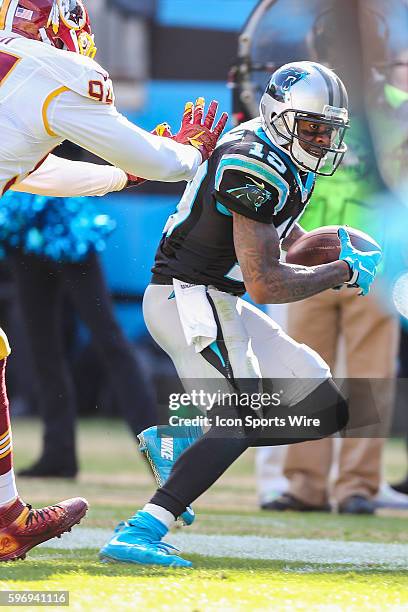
[192, 132]
[200, 135]
[163, 129]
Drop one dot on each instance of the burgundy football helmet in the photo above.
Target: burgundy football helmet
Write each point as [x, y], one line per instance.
[62, 23]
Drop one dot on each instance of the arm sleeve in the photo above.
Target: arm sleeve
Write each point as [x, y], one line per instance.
[99, 128]
[248, 195]
[59, 177]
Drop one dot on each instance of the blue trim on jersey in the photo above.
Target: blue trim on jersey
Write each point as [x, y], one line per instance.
[252, 165]
[310, 180]
[215, 348]
[223, 209]
[260, 133]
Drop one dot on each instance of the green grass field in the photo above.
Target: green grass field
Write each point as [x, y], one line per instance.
[243, 559]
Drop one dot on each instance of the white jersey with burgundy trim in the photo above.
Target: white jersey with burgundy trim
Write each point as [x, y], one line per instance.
[48, 95]
[32, 74]
[247, 174]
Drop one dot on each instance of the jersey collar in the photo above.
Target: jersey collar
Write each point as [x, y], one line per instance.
[310, 176]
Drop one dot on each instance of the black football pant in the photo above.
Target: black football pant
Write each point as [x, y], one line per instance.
[208, 458]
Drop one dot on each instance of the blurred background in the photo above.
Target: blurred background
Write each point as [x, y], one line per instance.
[161, 53]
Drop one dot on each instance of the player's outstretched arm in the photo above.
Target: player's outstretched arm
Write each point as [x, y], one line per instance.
[99, 128]
[266, 278]
[193, 130]
[58, 177]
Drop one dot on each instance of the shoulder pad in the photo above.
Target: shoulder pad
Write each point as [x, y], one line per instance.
[254, 151]
[81, 74]
[250, 187]
[87, 78]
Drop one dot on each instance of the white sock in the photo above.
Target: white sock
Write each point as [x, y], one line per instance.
[8, 490]
[162, 515]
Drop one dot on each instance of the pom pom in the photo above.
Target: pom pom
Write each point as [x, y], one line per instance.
[60, 229]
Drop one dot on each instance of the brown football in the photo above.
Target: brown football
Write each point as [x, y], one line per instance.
[322, 246]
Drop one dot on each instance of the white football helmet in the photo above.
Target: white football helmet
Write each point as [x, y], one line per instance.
[312, 92]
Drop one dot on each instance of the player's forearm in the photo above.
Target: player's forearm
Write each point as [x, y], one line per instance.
[58, 177]
[281, 283]
[109, 135]
[270, 281]
[145, 155]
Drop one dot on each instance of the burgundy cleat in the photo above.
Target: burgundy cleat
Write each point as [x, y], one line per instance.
[22, 527]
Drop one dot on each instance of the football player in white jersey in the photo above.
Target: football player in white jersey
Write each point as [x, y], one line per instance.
[51, 89]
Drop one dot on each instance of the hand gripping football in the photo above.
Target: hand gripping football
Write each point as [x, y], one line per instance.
[322, 246]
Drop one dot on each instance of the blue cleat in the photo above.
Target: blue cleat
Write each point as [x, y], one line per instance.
[139, 541]
[162, 449]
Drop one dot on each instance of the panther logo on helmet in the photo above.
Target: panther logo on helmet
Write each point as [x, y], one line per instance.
[283, 80]
[64, 24]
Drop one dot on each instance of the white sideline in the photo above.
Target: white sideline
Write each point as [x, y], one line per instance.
[358, 554]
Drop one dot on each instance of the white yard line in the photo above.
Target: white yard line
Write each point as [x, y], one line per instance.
[358, 554]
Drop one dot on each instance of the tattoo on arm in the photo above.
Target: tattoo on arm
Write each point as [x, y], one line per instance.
[266, 278]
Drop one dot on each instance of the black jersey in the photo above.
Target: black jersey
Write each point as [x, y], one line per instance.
[246, 174]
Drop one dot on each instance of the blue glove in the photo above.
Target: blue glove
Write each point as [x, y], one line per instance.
[363, 266]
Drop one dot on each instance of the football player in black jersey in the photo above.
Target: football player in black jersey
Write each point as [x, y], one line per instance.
[225, 238]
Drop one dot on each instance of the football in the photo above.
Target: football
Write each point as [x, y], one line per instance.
[322, 245]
